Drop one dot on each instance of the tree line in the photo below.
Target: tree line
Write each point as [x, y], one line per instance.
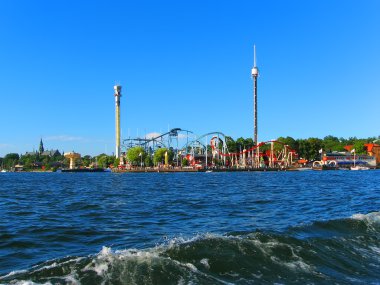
[36, 161]
[306, 149]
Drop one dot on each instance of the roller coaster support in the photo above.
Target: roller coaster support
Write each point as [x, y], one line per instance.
[271, 161]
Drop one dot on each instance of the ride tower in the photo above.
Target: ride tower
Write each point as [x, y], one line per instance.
[117, 89]
[255, 74]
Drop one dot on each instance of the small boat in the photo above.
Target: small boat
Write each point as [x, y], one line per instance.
[303, 168]
[3, 170]
[357, 167]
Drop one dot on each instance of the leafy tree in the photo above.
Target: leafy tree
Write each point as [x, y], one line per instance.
[292, 143]
[45, 160]
[11, 159]
[105, 161]
[116, 161]
[359, 147]
[185, 162]
[133, 155]
[315, 144]
[148, 161]
[248, 143]
[331, 143]
[351, 140]
[86, 160]
[28, 160]
[240, 144]
[159, 155]
[231, 144]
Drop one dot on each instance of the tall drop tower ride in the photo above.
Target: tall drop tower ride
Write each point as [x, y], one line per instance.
[117, 89]
[255, 74]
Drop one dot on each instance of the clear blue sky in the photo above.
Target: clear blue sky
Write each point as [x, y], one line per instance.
[185, 64]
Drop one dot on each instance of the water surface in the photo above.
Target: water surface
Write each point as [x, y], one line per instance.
[190, 228]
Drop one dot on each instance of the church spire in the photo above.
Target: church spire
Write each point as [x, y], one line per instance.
[41, 149]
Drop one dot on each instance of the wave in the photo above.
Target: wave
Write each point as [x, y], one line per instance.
[345, 251]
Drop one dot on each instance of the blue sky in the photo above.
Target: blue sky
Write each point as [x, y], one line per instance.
[185, 64]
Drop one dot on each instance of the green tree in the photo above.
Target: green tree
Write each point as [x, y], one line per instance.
[105, 161]
[231, 144]
[148, 161]
[28, 160]
[359, 147]
[159, 155]
[134, 157]
[240, 144]
[86, 160]
[351, 140]
[331, 143]
[10, 160]
[303, 149]
[45, 160]
[185, 162]
[248, 143]
[315, 144]
[116, 161]
[289, 141]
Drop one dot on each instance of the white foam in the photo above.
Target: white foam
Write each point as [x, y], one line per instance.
[100, 269]
[205, 263]
[70, 279]
[191, 267]
[12, 273]
[375, 249]
[105, 251]
[104, 260]
[358, 217]
[371, 218]
[28, 282]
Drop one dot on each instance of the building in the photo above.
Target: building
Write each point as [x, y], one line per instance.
[347, 159]
[41, 151]
[374, 150]
[51, 152]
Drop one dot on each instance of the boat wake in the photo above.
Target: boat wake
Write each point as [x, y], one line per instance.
[345, 251]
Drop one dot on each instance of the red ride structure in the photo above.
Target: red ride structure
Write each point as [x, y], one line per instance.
[273, 158]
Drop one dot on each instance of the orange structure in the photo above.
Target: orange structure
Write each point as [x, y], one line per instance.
[373, 149]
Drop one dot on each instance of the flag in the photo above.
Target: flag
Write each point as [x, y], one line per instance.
[320, 151]
[352, 150]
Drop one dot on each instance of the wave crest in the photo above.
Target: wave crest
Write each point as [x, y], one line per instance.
[333, 251]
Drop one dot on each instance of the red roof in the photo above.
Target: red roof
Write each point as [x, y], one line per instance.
[348, 147]
[370, 146]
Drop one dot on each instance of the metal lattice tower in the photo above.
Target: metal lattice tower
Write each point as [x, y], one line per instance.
[255, 74]
[117, 89]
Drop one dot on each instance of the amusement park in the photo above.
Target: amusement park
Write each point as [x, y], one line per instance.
[183, 150]
[180, 149]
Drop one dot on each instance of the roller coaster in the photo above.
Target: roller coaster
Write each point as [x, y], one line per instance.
[211, 150]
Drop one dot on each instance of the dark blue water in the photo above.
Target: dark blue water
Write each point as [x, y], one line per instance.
[190, 228]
